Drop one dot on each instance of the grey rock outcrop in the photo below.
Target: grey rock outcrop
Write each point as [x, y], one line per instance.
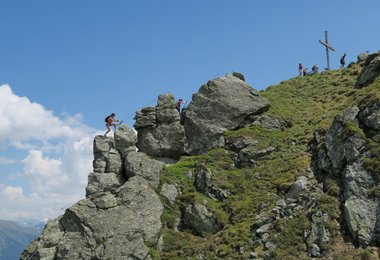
[106, 157]
[102, 182]
[369, 117]
[237, 143]
[319, 236]
[301, 184]
[247, 151]
[121, 215]
[108, 226]
[341, 152]
[200, 221]
[221, 104]
[248, 156]
[125, 140]
[370, 71]
[169, 192]
[266, 121]
[160, 133]
[137, 163]
[108, 170]
[203, 183]
[362, 56]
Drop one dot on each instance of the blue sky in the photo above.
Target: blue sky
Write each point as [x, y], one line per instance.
[67, 64]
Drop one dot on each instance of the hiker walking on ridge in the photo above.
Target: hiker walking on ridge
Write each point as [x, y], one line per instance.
[111, 121]
[300, 70]
[342, 60]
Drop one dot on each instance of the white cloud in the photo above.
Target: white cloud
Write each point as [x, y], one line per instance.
[11, 193]
[57, 164]
[44, 173]
[22, 120]
[15, 204]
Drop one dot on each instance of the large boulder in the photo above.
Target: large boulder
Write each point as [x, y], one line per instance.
[138, 163]
[125, 140]
[267, 122]
[160, 133]
[220, 105]
[108, 226]
[102, 182]
[200, 221]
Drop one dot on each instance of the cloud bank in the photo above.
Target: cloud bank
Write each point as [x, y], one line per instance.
[57, 162]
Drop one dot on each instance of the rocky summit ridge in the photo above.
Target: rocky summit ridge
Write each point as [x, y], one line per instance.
[291, 172]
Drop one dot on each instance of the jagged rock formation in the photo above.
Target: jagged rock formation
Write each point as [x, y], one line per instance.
[120, 216]
[319, 236]
[370, 71]
[342, 153]
[160, 133]
[301, 196]
[221, 104]
[108, 169]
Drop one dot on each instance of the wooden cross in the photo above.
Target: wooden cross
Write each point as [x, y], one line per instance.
[328, 47]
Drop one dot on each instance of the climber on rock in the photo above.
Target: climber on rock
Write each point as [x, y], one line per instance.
[111, 121]
[179, 104]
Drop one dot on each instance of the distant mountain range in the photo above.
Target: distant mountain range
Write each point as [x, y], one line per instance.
[31, 223]
[14, 237]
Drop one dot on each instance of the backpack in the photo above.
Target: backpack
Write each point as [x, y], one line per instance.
[107, 119]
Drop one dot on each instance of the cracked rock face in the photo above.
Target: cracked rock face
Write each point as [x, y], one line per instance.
[341, 153]
[370, 71]
[221, 104]
[108, 226]
[200, 221]
[160, 133]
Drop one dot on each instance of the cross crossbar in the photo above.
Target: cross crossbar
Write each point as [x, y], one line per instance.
[328, 47]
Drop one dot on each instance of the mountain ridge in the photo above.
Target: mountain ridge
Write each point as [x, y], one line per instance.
[285, 182]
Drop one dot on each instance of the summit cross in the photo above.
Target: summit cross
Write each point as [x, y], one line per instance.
[328, 47]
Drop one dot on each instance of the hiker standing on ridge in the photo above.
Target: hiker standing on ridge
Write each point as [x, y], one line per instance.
[315, 68]
[342, 60]
[179, 104]
[305, 71]
[300, 70]
[110, 121]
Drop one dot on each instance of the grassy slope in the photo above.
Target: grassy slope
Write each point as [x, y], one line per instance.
[305, 103]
